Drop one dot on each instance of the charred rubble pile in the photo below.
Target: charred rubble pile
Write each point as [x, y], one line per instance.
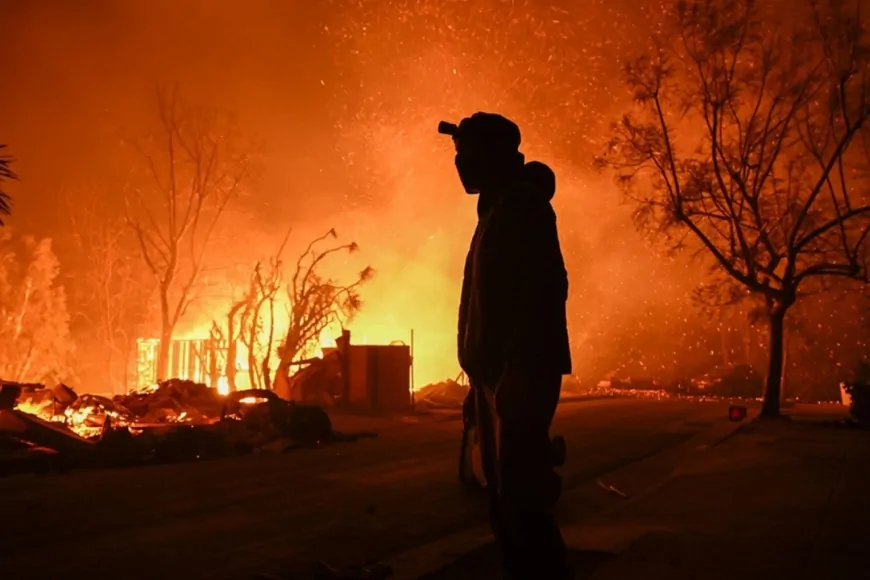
[447, 394]
[44, 428]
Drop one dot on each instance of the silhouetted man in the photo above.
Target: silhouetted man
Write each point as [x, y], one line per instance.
[513, 338]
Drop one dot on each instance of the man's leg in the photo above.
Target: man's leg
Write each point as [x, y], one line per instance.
[487, 433]
[487, 429]
[466, 450]
[529, 488]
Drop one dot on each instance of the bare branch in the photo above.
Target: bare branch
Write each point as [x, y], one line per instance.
[739, 145]
[315, 303]
[780, 111]
[194, 171]
[6, 173]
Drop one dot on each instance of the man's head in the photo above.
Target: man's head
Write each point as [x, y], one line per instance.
[487, 150]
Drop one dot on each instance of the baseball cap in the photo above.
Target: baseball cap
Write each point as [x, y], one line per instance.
[489, 129]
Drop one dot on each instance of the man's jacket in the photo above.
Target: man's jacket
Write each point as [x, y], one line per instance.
[515, 286]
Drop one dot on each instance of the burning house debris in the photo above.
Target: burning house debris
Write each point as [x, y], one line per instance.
[173, 421]
[183, 419]
[173, 401]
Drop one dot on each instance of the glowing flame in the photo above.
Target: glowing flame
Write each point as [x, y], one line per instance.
[253, 400]
[145, 390]
[85, 421]
[90, 418]
[43, 411]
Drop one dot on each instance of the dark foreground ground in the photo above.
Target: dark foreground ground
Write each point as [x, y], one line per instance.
[343, 504]
[775, 500]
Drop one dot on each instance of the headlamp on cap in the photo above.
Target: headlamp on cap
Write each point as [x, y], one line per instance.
[446, 128]
[486, 145]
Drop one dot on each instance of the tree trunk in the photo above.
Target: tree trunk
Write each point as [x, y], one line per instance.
[267, 378]
[163, 350]
[773, 387]
[166, 331]
[232, 355]
[233, 337]
[267, 357]
[281, 382]
[253, 369]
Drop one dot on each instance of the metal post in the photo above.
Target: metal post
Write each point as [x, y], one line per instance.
[413, 397]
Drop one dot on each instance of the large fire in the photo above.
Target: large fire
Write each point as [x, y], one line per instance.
[434, 369]
[194, 397]
[365, 105]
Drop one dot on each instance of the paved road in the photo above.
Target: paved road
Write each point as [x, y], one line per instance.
[343, 504]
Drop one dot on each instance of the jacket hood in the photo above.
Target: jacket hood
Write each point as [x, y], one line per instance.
[541, 178]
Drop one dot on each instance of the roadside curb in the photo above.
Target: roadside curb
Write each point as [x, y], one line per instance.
[583, 398]
[676, 458]
[639, 478]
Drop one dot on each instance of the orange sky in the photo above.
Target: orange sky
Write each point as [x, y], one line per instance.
[346, 96]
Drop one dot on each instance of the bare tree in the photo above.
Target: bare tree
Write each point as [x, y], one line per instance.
[6, 173]
[315, 303]
[233, 334]
[748, 142]
[195, 168]
[244, 325]
[257, 317]
[264, 287]
[111, 287]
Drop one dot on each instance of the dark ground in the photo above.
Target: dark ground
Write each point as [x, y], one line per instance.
[342, 504]
[778, 499]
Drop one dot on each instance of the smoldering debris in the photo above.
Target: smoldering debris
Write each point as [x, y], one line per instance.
[447, 394]
[54, 428]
